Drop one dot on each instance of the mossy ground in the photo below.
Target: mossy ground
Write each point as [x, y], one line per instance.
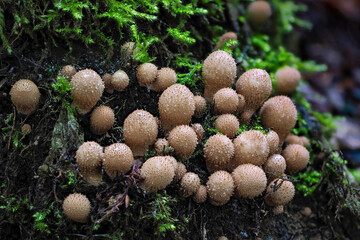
[37, 173]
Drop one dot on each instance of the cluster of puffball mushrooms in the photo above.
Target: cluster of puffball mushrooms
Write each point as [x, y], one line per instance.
[243, 166]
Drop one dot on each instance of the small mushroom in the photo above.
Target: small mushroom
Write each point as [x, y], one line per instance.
[183, 139]
[227, 124]
[226, 100]
[200, 106]
[220, 187]
[25, 95]
[259, 12]
[102, 119]
[165, 78]
[287, 79]
[190, 183]
[120, 80]
[117, 160]
[201, 194]
[146, 74]
[77, 207]
[218, 151]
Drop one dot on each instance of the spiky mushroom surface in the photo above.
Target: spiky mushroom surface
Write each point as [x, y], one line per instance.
[218, 151]
[227, 124]
[77, 207]
[183, 139]
[200, 106]
[275, 166]
[190, 183]
[118, 159]
[226, 100]
[296, 156]
[220, 187]
[279, 192]
[120, 80]
[146, 74]
[67, 71]
[102, 119]
[200, 195]
[25, 95]
[165, 78]
[89, 156]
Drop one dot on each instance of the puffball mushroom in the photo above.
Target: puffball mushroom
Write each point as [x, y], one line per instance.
[77, 207]
[220, 187]
[86, 89]
[146, 74]
[199, 130]
[165, 78]
[275, 166]
[120, 80]
[102, 119]
[255, 86]
[218, 151]
[278, 209]
[26, 129]
[162, 146]
[25, 96]
[250, 147]
[201, 194]
[200, 106]
[250, 181]
[224, 38]
[183, 139]
[227, 124]
[259, 11]
[118, 159]
[158, 173]
[279, 113]
[293, 139]
[176, 106]
[226, 100]
[218, 71]
[296, 157]
[89, 156]
[67, 71]
[140, 131]
[180, 171]
[279, 192]
[190, 183]
[273, 140]
[107, 77]
[287, 79]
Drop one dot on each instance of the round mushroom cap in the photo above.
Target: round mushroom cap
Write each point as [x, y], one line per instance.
[279, 113]
[120, 80]
[88, 156]
[296, 157]
[275, 166]
[250, 147]
[305, 141]
[255, 86]
[287, 79]
[273, 140]
[199, 130]
[67, 71]
[279, 192]
[201, 194]
[164, 79]
[200, 106]
[180, 171]
[102, 119]
[86, 89]
[118, 159]
[146, 74]
[77, 207]
[250, 181]
[224, 38]
[278, 209]
[26, 129]
[306, 211]
[107, 77]
[158, 173]
[293, 139]
[259, 11]
[140, 131]
[162, 146]
[220, 186]
[218, 71]
[226, 100]
[183, 139]
[227, 124]
[25, 95]
[218, 151]
[176, 106]
[190, 183]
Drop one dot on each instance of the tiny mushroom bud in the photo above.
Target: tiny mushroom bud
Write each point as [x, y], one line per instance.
[25, 96]
[259, 11]
[26, 129]
[218, 71]
[77, 207]
[220, 187]
[296, 156]
[190, 183]
[200, 106]
[67, 71]
[280, 114]
[164, 79]
[140, 131]
[117, 160]
[279, 192]
[162, 146]
[226, 100]
[275, 166]
[146, 74]
[102, 119]
[255, 86]
[183, 139]
[273, 140]
[278, 209]
[180, 171]
[201, 194]
[250, 181]
[224, 38]
[176, 106]
[107, 77]
[158, 173]
[227, 124]
[306, 211]
[120, 80]
[86, 89]
[199, 130]
[218, 151]
[287, 79]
